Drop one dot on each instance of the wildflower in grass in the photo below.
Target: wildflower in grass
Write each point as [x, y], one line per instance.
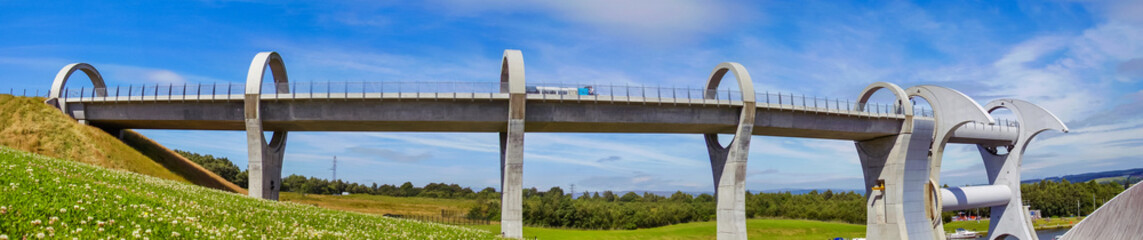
[3, 237]
[3, 209]
[53, 220]
[36, 222]
[174, 234]
[40, 235]
[63, 210]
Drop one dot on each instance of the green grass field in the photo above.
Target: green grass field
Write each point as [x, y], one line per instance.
[61, 199]
[782, 229]
[381, 205]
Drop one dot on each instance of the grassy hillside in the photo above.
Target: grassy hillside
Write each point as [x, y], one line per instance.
[65, 199]
[782, 229]
[29, 125]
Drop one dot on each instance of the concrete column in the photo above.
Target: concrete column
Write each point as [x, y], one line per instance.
[265, 158]
[728, 164]
[951, 109]
[1012, 218]
[512, 147]
[883, 164]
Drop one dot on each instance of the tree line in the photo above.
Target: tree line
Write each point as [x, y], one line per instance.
[608, 210]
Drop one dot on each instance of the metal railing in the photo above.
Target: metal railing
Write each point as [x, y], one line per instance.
[28, 92]
[598, 92]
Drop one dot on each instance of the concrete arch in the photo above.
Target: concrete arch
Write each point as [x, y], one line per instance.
[1012, 219]
[512, 146]
[265, 163]
[951, 109]
[512, 72]
[60, 82]
[62, 76]
[745, 84]
[902, 97]
[728, 164]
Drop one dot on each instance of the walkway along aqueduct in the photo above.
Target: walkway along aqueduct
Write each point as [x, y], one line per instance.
[900, 147]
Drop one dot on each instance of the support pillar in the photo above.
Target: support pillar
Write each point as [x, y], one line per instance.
[265, 157]
[512, 147]
[1012, 219]
[883, 163]
[728, 164]
[951, 109]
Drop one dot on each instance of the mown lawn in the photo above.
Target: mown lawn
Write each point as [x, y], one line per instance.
[381, 205]
[782, 229]
[43, 197]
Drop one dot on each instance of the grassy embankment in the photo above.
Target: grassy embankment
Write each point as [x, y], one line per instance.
[65, 199]
[29, 125]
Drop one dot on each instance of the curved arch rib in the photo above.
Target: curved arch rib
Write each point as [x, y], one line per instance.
[951, 109]
[728, 164]
[60, 82]
[1011, 219]
[265, 163]
[512, 146]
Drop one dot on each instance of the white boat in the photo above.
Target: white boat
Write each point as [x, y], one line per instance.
[964, 234]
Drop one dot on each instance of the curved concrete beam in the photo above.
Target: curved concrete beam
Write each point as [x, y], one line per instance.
[512, 72]
[951, 109]
[745, 84]
[65, 73]
[60, 82]
[1033, 119]
[257, 71]
[512, 146]
[728, 164]
[265, 158]
[1011, 219]
[902, 96]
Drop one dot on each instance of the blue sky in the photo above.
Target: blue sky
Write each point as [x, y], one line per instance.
[1082, 60]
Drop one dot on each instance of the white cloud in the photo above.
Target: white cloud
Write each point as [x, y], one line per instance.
[648, 21]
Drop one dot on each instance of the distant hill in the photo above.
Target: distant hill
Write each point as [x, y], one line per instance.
[27, 124]
[1116, 175]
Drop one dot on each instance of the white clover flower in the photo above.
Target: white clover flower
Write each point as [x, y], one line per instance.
[39, 235]
[3, 237]
[174, 234]
[63, 210]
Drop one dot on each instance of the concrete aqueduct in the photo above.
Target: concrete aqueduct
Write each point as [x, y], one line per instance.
[900, 150]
